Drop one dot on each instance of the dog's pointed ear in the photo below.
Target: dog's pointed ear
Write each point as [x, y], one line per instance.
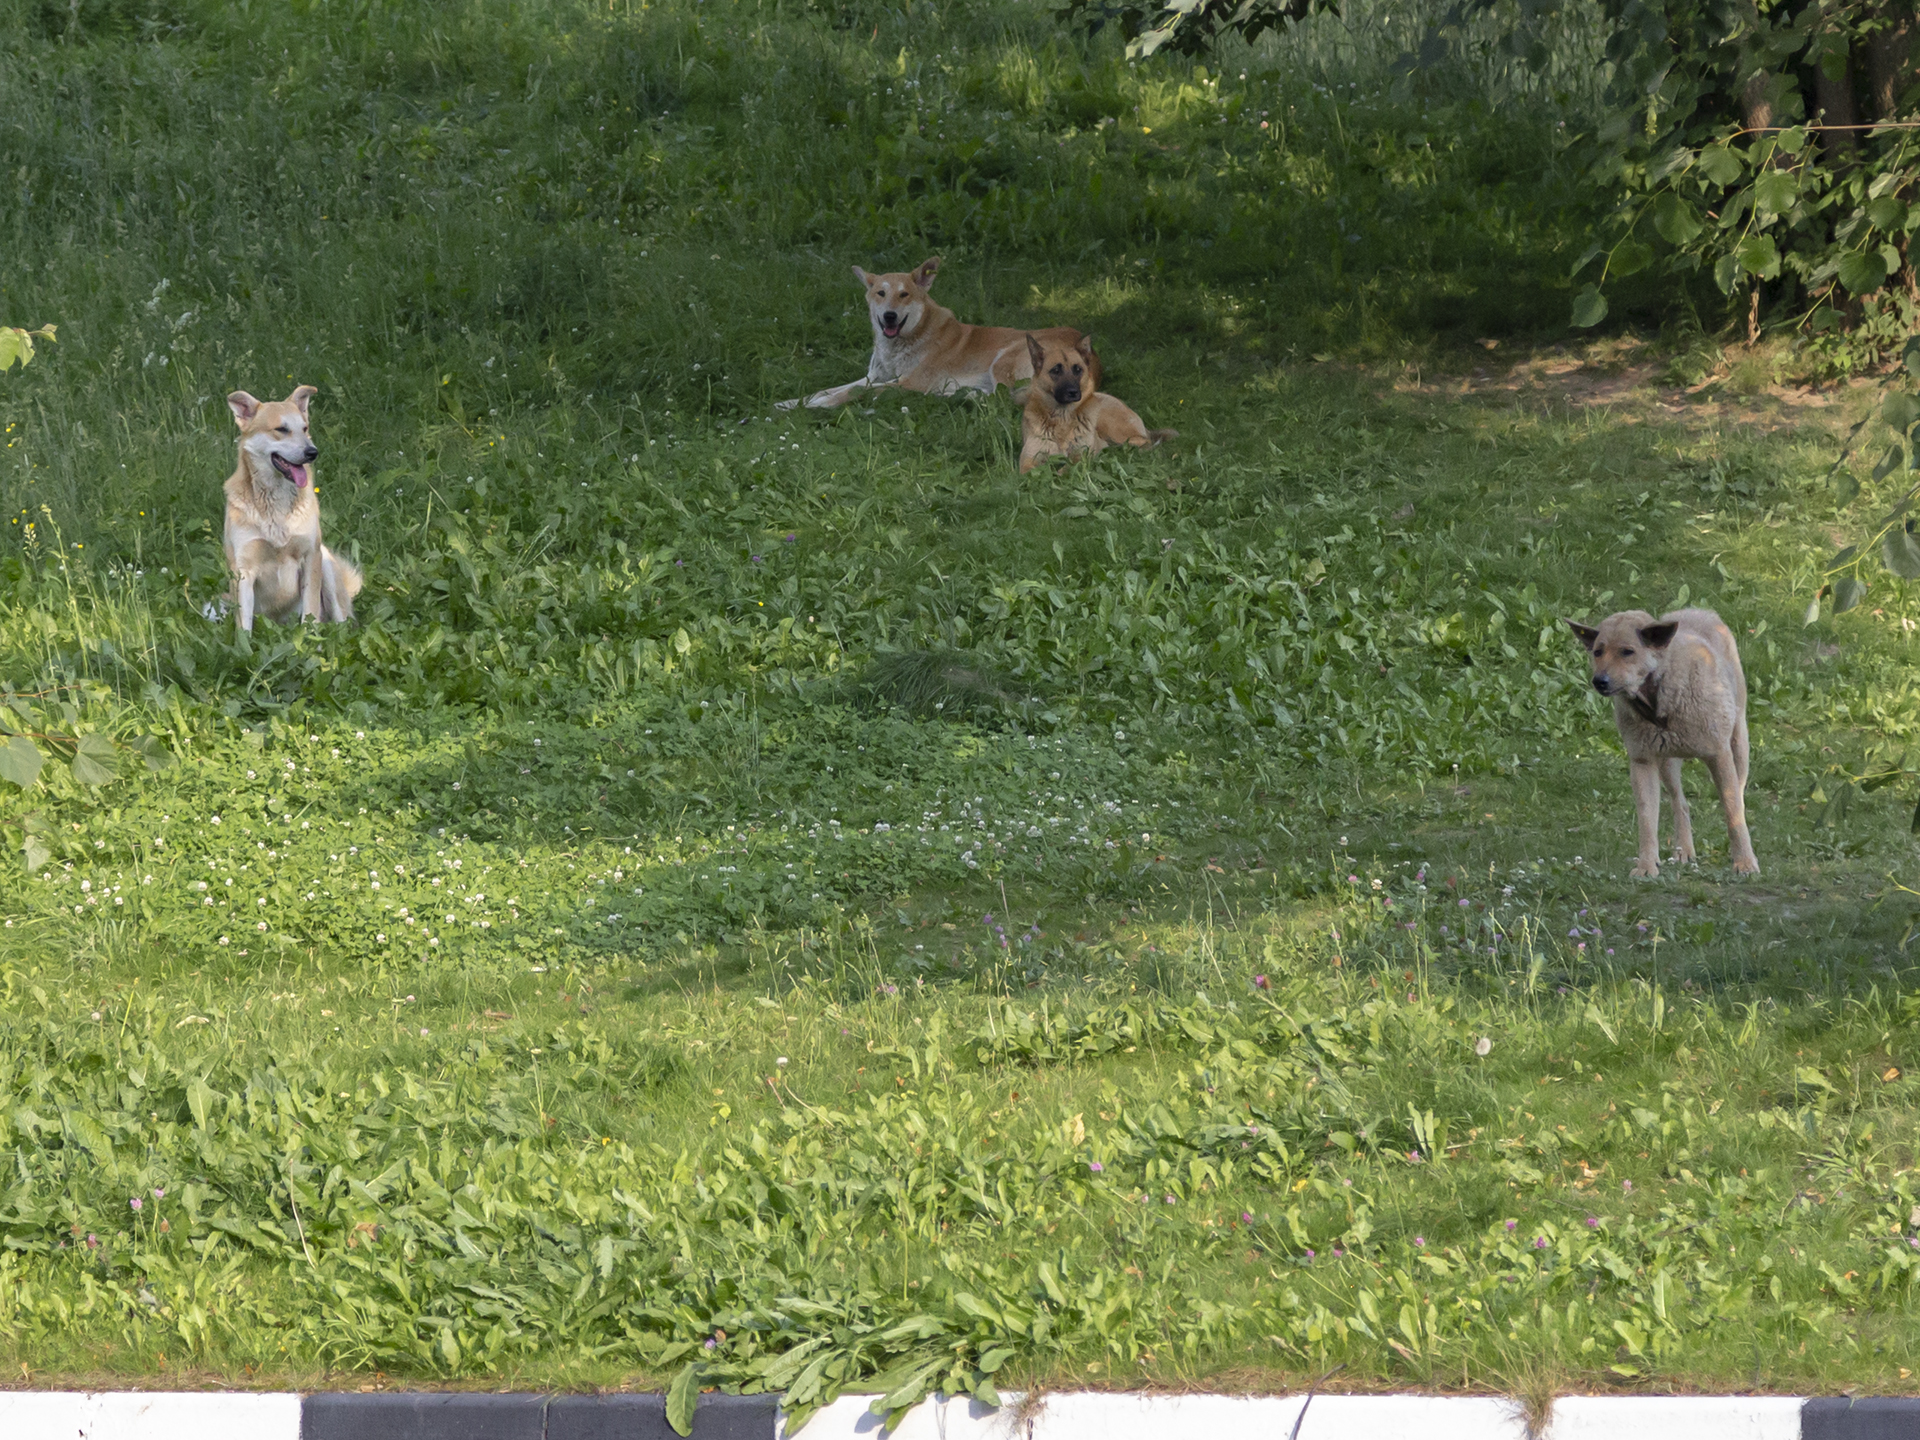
[302, 395]
[1658, 637]
[1085, 347]
[927, 269]
[243, 406]
[864, 277]
[1038, 355]
[1585, 634]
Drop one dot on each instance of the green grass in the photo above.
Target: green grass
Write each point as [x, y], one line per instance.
[794, 877]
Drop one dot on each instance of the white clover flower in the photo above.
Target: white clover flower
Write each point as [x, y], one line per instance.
[1482, 1045]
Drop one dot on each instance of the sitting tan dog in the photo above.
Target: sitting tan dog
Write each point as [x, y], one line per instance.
[1678, 694]
[272, 539]
[918, 344]
[1065, 415]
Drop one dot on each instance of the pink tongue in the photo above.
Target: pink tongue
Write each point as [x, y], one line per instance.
[298, 472]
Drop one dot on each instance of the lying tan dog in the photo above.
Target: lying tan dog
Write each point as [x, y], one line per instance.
[1678, 694]
[919, 345]
[1065, 415]
[272, 540]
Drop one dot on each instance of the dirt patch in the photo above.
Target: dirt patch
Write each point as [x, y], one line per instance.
[1633, 383]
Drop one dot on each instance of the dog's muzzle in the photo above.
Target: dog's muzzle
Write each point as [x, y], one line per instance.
[890, 323]
[1066, 394]
[295, 470]
[1603, 684]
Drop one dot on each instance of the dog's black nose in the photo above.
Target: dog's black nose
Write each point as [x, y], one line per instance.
[311, 452]
[1067, 394]
[889, 318]
[1603, 684]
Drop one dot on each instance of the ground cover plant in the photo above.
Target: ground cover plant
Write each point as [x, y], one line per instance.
[780, 901]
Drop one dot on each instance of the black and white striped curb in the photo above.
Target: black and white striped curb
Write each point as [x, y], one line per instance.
[429, 1415]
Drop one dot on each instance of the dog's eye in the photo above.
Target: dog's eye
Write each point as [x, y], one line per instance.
[1625, 653]
[280, 430]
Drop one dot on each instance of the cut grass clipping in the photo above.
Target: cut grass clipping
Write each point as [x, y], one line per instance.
[780, 901]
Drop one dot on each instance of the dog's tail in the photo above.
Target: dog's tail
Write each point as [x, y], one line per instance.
[1154, 437]
[349, 577]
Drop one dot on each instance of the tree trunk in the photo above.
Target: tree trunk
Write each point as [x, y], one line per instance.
[1889, 58]
[1835, 99]
[1756, 101]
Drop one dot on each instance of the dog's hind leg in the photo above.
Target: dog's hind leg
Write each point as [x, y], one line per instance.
[312, 582]
[1646, 805]
[1739, 748]
[1733, 799]
[1682, 817]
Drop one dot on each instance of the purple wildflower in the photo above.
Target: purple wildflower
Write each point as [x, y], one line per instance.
[1096, 1167]
[1260, 982]
[1593, 1222]
[135, 1202]
[1512, 1225]
[1420, 1242]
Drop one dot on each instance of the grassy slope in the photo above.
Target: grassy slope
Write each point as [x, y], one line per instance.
[520, 1111]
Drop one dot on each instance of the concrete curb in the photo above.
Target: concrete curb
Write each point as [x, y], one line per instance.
[433, 1415]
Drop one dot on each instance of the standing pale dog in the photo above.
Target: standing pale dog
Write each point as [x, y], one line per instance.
[272, 539]
[1678, 694]
[919, 344]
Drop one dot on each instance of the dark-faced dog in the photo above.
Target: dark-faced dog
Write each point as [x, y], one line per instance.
[1065, 414]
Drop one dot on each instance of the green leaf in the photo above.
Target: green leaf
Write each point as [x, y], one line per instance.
[1888, 212]
[1812, 617]
[1862, 270]
[1726, 272]
[95, 760]
[36, 854]
[1901, 551]
[1899, 410]
[1846, 486]
[199, 1098]
[994, 1359]
[16, 345]
[1847, 593]
[1675, 219]
[1589, 308]
[1774, 191]
[1758, 255]
[1910, 356]
[1807, 1075]
[1720, 165]
[683, 1397]
[1889, 462]
[1630, 257]
[20, 761]
[155, 752]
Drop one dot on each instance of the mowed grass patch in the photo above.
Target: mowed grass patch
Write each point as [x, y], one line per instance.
[594, 976]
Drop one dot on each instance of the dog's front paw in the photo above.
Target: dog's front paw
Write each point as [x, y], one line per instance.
[1685, 857]
[1746, 866]
[785, 404]
[1646, 870]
